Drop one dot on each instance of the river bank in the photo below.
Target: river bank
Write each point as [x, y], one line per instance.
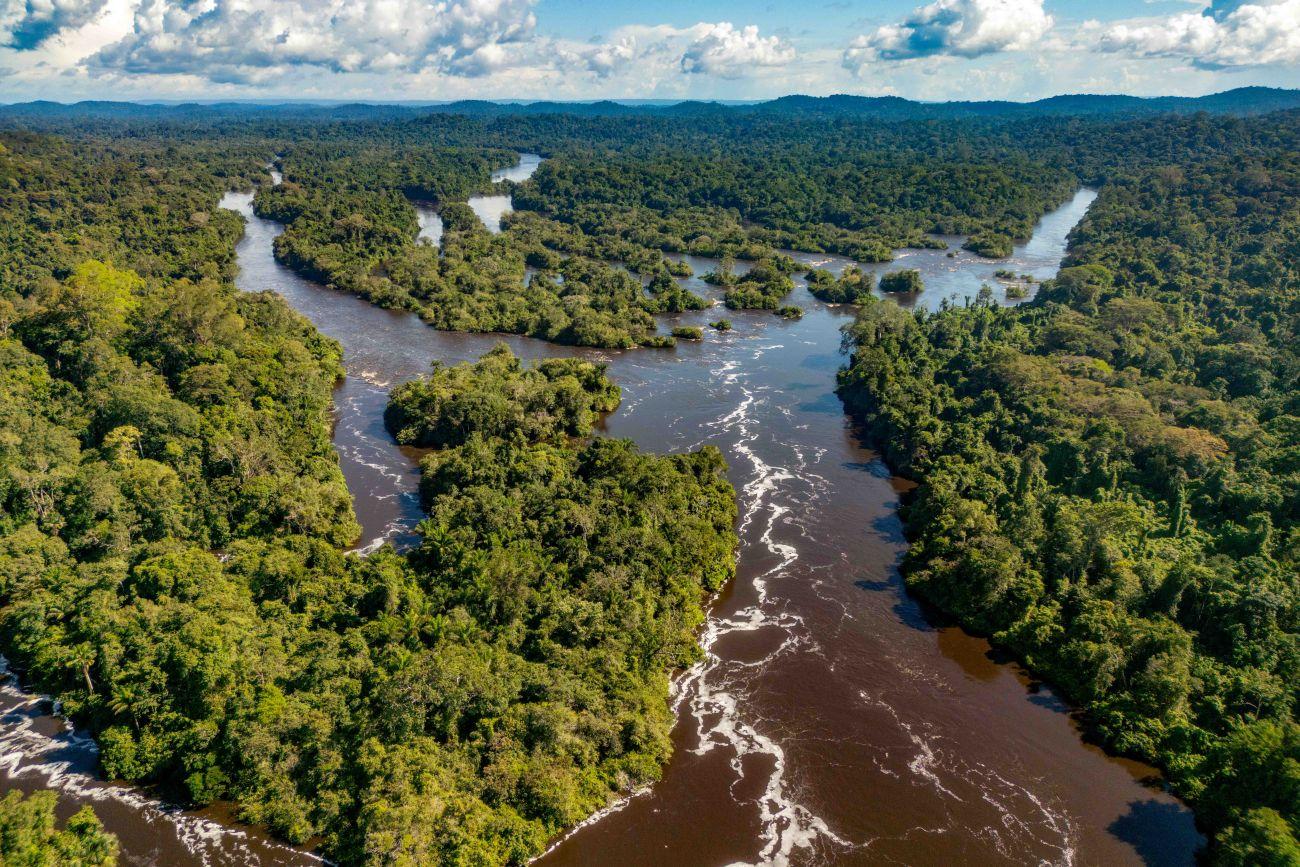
[831, 719]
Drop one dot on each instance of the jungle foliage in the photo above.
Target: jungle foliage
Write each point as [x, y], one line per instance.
[1110, 477]
[173, 525]
[30, 836]
[1109, 474]
[558, 397]
[351, 224]
[612, 198]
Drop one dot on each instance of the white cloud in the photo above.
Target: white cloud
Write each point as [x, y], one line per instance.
[26, 24]
[964, 28]
[253, 40]
[728, 52]
[605, 60]
[449, 49]
[1226, 34]
[647, 55]
[276, 43]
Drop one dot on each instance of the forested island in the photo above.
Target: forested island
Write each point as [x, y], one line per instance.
[1108, 473]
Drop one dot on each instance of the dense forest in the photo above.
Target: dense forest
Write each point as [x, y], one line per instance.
[30, 836]
[173, 523]
[1110, 477]
[582, 259]
[599, 200]
[1108, 474]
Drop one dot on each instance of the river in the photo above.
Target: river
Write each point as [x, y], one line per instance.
[833, 719]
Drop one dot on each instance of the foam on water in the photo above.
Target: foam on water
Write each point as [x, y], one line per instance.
[617, 806]
[716, 700]
[713, 691]
[1027, 821]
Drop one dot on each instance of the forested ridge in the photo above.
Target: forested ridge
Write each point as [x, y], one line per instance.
[172, 531]
[1241, 101]
[1110, 475]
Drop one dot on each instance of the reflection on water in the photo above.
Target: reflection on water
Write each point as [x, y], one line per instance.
[430, 223]
[957, 273]
[829, 721]
[520, 171]
[491, 209]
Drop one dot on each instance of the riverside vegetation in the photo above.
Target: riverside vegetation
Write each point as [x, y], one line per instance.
[172, 523]
[599, 199]
[29, 835]
[1110, 477]
[1108, 474]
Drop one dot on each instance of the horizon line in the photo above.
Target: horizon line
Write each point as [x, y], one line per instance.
[629, 100]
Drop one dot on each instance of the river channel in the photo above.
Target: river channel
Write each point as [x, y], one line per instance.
[833, 719]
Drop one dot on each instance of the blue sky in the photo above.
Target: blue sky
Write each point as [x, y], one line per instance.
[583, 19]
[582, 49]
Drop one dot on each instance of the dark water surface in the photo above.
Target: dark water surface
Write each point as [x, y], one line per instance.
[832, 721]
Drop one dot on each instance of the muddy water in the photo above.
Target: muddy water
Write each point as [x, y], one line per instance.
[832, 721]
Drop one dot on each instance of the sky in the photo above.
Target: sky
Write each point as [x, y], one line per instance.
[433, 50]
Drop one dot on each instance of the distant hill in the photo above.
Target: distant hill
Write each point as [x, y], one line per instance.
[107, 110]
[1244, 101]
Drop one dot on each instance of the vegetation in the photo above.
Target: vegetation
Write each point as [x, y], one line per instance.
[991, 245]
[688, 332]
[762, 287]
[1109, 473]
[1109, 477]
[905, 282]
[852, 287]
[572, 575]
[774, 189]
[616, 194]
[29, 836]
[172, 525]
[350, 225]
[559, 397]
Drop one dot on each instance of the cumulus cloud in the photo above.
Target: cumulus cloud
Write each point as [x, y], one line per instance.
[725, 51]
[248, 40]
[26, 24]
[609, 58]
[964, 28]
[264, 42]
[651, 53]
[1226, 34]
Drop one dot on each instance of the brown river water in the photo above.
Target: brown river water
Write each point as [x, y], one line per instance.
[834, 720]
